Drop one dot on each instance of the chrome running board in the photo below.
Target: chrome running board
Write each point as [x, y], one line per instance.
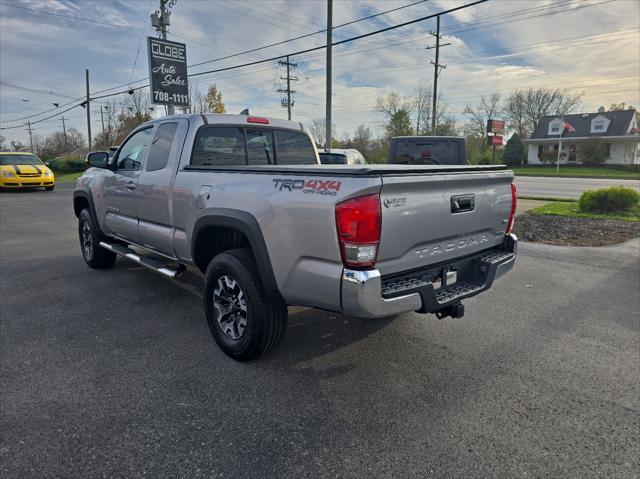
[147, 261]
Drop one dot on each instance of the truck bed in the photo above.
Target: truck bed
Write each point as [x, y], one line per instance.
[352, 170]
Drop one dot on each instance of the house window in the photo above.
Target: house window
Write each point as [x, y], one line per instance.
[600, 124]
[606, 150]
[555, 128]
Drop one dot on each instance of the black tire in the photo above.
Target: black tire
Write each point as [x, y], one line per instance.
[265, 317]
[95, 255]
[49, 188]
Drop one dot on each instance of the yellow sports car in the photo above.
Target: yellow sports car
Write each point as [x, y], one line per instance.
[24, 170]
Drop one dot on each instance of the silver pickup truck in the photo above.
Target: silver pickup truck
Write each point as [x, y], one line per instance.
[245, 200]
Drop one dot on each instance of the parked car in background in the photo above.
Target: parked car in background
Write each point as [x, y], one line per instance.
[24, 170]
[427, 150]
[339, 156]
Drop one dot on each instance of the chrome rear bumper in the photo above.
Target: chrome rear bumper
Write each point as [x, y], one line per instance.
[366, 294]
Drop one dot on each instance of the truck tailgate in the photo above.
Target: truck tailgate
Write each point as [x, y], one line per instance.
[434, 218]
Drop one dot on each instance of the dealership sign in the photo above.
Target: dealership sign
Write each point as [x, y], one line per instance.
[495, 126]
[495, 140]
[168, 72]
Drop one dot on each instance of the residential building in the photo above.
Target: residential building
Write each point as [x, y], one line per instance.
[617, 130]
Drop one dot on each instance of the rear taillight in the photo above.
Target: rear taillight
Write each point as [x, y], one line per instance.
[514, 203]
[358, 222]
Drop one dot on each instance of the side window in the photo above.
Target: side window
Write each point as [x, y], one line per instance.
[131, 154]
[260, 147]
[219, 146]
[161, 146]
[294, 148]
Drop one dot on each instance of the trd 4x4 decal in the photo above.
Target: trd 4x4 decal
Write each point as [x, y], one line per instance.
[313, 187]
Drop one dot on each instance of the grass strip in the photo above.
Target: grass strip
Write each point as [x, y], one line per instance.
[563, 208]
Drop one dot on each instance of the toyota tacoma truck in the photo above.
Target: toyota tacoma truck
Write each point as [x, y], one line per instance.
[246, 201]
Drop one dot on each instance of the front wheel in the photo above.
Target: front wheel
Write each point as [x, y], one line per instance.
[94, 254]
[243, 319]
[49, 188]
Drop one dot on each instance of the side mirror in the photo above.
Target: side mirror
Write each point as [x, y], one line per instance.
[46, 163]
[98, 159]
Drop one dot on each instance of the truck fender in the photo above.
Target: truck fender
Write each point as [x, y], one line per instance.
[247, 224]
[81, 198]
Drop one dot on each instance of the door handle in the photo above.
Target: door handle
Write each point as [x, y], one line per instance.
[130, 186]
[462, 203]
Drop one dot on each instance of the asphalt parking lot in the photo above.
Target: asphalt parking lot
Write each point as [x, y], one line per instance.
[114, 373]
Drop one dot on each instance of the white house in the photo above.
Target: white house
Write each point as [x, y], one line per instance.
[618, 131]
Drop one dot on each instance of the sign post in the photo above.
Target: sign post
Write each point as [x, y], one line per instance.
[168, 72]
[495, 132]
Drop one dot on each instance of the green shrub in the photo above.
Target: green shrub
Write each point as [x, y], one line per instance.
[549, 156]
[68, 165]
[609, 200]
[592, 152]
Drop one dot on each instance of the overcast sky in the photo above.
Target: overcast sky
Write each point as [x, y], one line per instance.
[585, 46]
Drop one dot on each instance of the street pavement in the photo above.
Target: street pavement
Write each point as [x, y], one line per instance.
[565, 187]
[113, 373]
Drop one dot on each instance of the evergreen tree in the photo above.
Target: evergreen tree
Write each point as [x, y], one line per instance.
[514, 151]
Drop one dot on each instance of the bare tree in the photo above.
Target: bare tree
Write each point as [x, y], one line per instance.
[138, 103]
[392, 104]
[545, 101]
[515, 111]
[362, 139]
[489, 108]
[318, 130]
[422, 106]
[18, 146]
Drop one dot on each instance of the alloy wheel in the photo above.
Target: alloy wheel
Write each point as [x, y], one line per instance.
[87, 243]
[230, 307]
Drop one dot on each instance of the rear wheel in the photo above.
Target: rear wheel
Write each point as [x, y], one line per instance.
[94, 254]
[243, 319]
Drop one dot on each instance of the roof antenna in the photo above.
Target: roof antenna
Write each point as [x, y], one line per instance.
[245, 111]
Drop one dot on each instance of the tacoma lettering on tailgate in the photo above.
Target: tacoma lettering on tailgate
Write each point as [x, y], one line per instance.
[452, 245]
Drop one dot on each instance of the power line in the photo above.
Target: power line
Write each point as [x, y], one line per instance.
[144, 30]
[233, 55]
[41, 120]
[71, 17]
[305, 35]
[321, 47]
[307, 50]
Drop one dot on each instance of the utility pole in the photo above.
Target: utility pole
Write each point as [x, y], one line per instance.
[436, 72]
[328, 80]
[288, 103]
[88, 107]
[64, 130]
[160, 20]
[104, 138]
[29, 129]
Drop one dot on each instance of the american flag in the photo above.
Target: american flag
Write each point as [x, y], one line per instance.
[568, 126]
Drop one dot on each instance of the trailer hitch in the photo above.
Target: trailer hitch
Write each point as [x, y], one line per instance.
[455, 310]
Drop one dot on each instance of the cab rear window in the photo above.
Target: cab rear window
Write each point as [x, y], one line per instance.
[236, 146]
[219, 146]
[293, 148]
